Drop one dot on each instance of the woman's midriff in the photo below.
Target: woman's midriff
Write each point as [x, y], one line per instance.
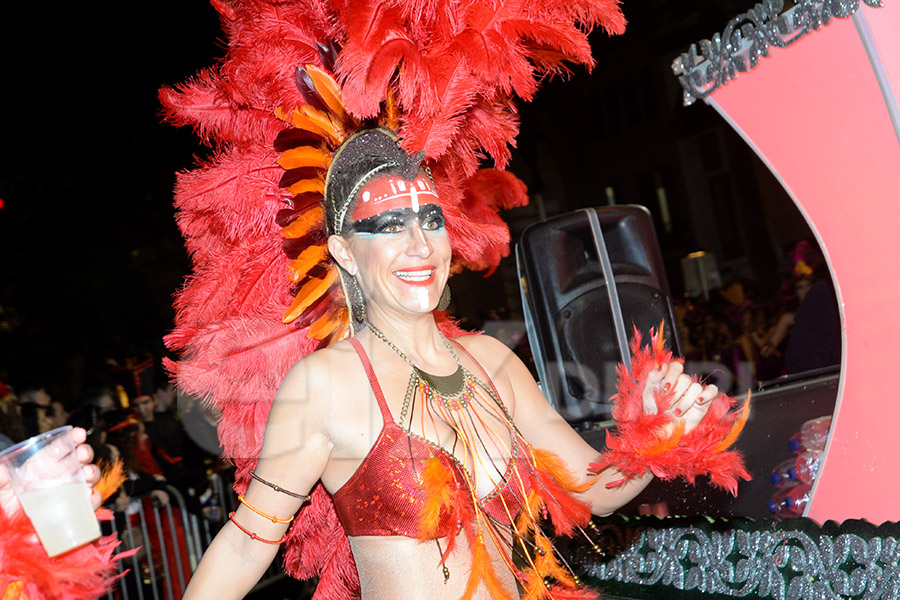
[402, 568]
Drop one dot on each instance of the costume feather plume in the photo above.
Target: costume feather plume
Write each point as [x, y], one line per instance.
[482, 573]
[443, 72]
[553, 485]
[643, 443]
[26, 572]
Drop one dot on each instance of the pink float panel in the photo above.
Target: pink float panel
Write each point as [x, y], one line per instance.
[815, 113]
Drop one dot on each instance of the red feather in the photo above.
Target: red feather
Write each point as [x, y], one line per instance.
[86, 572]
[637, 446]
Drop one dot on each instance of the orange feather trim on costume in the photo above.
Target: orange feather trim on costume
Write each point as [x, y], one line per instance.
[737, 427]
[304, 223]
[547, 565]
[553, 465]
[437, 486]
[526, 519]
[534, 586]
[329, 90]
[310, 257]
[301, 121]
[328, 324]
[111, 478]
[483, 571]
[306, 186]
[660, 445]
[324, 122]
[14, 591]
[308, 294]
[305, 156]
[555, 485]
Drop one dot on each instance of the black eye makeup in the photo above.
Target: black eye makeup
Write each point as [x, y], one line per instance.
[430, 218]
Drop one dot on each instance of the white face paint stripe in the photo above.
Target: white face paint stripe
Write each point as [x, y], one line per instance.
[422, 294]
[414, 198]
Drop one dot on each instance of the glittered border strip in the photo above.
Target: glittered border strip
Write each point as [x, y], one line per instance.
[748, 37]
[697, 557]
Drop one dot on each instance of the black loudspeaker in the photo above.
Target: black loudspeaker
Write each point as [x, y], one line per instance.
[587, 279]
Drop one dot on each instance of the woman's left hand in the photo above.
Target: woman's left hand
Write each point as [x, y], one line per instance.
[9, 502]
[691, 399]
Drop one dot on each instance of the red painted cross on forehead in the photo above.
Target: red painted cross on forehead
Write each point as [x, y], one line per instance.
[392, 191]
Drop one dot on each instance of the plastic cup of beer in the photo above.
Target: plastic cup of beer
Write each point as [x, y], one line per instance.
[48, 480]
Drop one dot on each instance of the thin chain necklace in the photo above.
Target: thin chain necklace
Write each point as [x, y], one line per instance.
[432, 388]
[453, 391]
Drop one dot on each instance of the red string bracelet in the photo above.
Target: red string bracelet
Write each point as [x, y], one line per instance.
[252, 535]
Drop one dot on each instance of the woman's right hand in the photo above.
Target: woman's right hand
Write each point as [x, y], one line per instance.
[691, 399]
[9, 502]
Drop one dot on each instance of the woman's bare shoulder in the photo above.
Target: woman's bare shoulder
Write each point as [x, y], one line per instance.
[482, 343]
[322, 375]
[490, 352]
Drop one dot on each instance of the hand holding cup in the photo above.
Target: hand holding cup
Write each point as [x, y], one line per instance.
[51, 478]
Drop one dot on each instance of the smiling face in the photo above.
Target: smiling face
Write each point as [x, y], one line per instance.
[398, 249]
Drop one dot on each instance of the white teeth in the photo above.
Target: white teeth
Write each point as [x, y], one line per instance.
[414, 275]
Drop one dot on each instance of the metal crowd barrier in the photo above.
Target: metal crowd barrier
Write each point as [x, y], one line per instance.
[171, 542]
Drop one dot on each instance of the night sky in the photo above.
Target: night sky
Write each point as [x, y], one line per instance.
[90, 253]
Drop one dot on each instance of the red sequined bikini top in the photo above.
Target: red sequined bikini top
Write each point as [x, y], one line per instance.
[383, 496]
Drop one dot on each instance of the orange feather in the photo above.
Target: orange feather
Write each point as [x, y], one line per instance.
[554, 466]
[307, 259]
[328, 89]
[534, 586]
[526, 519]
[483, 570]
[663, 445]
[547, 565]
[391, 114]
[325, 325]
[343, 330]
[14, 591]
[324, 122]
[309, 293]
[736, 427]
[305, 222]
[305, 156]
[436, 485]
[300, 121]
[112, 477]
[304, 186]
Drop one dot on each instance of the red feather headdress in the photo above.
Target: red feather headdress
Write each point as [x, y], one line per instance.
[264, 292]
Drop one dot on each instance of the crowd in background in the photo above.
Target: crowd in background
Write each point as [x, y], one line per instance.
[163, 444]
[762, 338]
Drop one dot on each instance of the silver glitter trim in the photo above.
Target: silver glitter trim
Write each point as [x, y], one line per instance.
[793, 559]
[747, 37]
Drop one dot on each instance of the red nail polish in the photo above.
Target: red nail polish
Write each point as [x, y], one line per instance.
[666, 386]
[677, 412]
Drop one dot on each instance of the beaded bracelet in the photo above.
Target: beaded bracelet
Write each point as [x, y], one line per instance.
[278, 488]
[261, 513]
[252, 535]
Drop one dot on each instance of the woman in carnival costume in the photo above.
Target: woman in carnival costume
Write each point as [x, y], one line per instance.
[400, 458]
